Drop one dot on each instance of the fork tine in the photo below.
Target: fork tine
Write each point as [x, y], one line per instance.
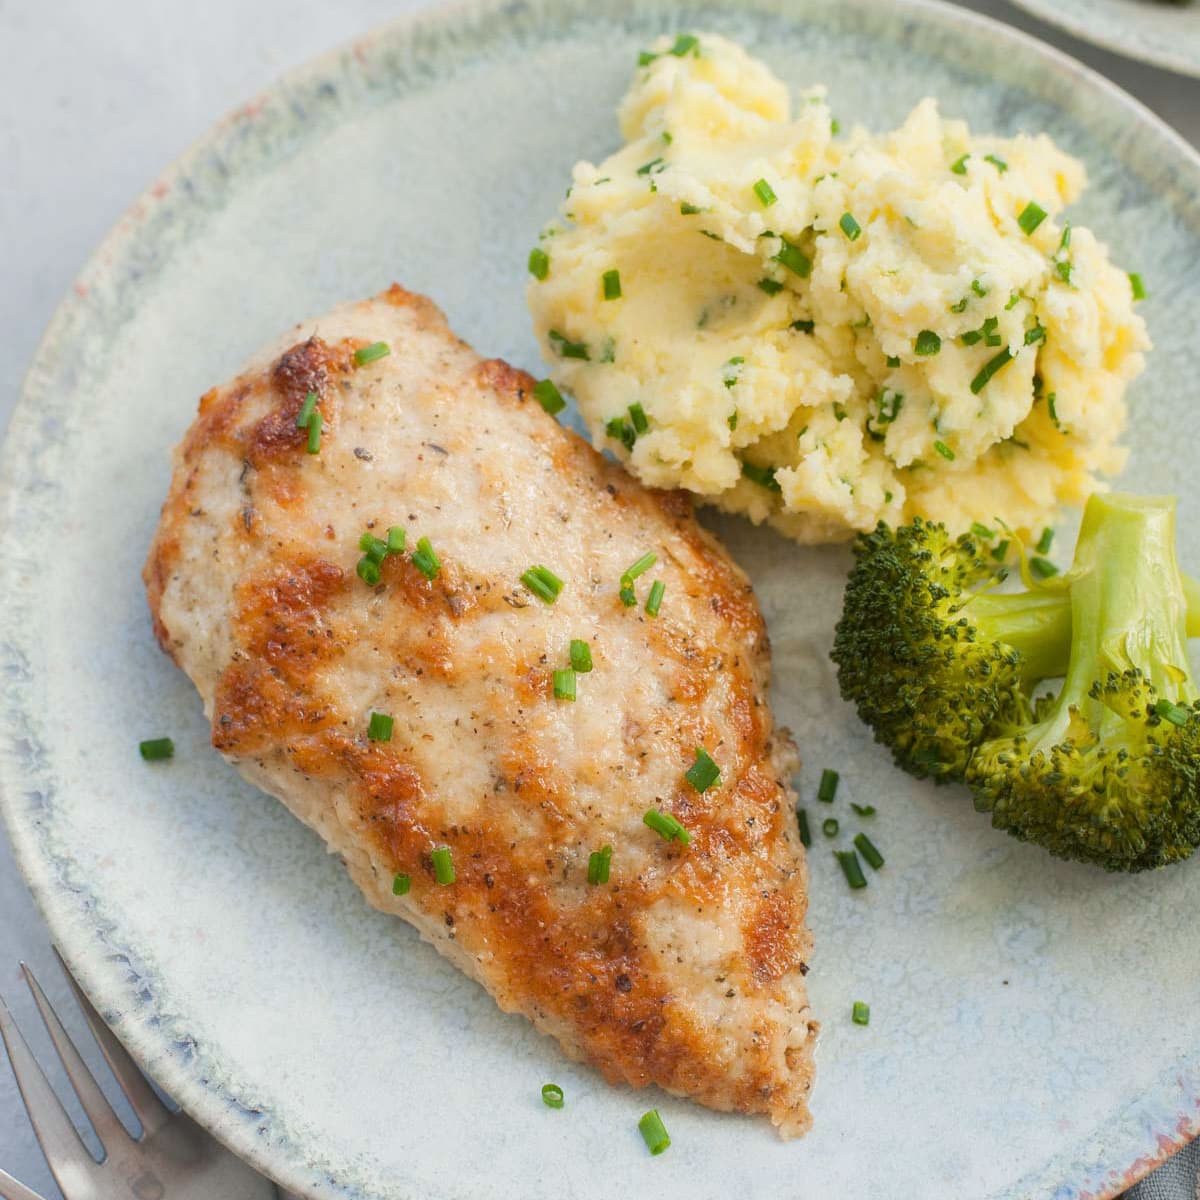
[10, 1189]
[60, 1141]
[104, 1121]
[151, 1111]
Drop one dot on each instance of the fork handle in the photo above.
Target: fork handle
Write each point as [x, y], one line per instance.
[10, 1189]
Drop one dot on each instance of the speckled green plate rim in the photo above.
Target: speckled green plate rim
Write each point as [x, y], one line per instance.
[1078, 22]
[1140, 1136]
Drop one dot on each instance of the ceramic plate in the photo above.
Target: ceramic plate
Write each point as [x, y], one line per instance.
[1161, 32]
[1034, 1025]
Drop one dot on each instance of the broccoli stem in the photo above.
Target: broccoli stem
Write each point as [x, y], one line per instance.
[1129, 608]
[1191, 589]
[1037, 624]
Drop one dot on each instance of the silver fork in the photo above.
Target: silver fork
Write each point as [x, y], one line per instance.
[173, 1159]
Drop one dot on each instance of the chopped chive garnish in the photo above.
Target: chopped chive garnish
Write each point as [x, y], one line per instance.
[401, 884]
[376, 549]
[860, 1014]
[1000, 553]
[654, 1132]
[156, 749]
[990, 368]
[379, 728]
[655, 599]
[1177, 714]
[961, 305]
[548, 396]
[443, 865]
[867, 849]
[763, 476]
[640, 567]
[628, 595]
[985, 333]
[637, 415]
[827, 788]
[1045, 541]
[654, 166]
[1043, 568]
[766, 196]
[944, 451]
[978, 288]
[927, 342]
[599, 862]
[771, 286]
[368, 354]
[622, 431]
[612, 285]
[539, 263]
[542, 582]
[552, 1095]
[791, 256]
[1051, 407]
[803, 326]
[646, 57]
[851, 868]
[703, 773]
[731, 420]
[425, 559]
[306, 410]
[581, 656]
[850, 227]
[892, 361]
[998, 163]
[982, 531]
[890, 403]
[666, 826]
[689, 210]
[685, 44]
[1137, 286]
[839, 410]
[802, 822]
[396, 538]
[564, 684]
[1032, 215]
[315, 423]
[829, 826]
[368, 571]
[863, 810]
[1036, 334]
[730, 373]
[567, 348]
[959, 165]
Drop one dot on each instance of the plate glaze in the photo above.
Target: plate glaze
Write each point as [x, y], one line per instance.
[1154, 31]
[1034, 1030]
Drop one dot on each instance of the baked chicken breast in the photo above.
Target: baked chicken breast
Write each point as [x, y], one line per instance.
[403, 702]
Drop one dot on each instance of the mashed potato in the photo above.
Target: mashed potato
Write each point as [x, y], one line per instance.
[823, 331]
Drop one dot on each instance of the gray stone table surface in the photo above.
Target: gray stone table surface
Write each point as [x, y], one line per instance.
[95, 99]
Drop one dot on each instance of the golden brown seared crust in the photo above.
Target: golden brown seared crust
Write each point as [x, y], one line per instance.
[687, 968]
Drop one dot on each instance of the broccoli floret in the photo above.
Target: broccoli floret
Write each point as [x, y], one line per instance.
[932, 660]
[1108, 770]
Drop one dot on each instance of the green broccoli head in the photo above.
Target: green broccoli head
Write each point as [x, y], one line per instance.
[1122, 790]
[1109, 770]
[1106, 771]
[931, 661]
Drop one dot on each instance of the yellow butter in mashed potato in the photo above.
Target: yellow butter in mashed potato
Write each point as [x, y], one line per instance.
[824, 331]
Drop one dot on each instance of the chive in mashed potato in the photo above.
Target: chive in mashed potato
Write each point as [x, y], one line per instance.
[821, 330]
